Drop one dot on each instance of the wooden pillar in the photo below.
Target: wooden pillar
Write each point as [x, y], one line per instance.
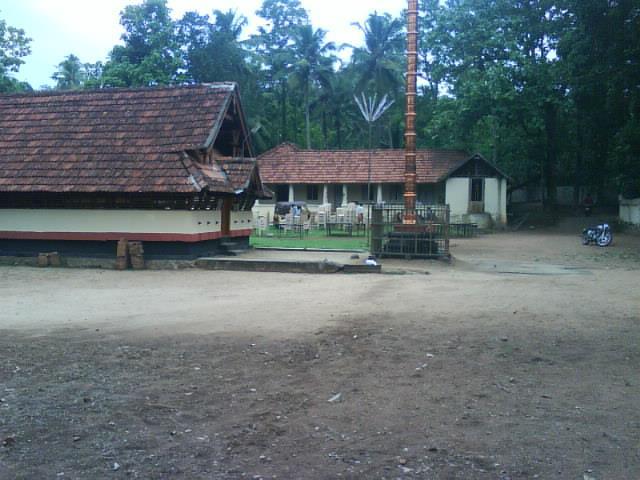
[345, 194]
[236, 143]
[379, 199]
[325, 194]
[291, 193]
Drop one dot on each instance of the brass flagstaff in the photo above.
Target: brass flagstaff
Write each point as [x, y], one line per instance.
[409, 217]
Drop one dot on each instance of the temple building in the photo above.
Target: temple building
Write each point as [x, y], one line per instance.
[172, 167]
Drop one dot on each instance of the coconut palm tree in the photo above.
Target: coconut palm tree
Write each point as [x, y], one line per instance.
[70, 73]
[230, 23]
[379, 62]
[313, 64]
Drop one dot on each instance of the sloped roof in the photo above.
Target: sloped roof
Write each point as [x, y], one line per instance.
[289, 164]
[238, 170]
[117, 140]
[241, 172]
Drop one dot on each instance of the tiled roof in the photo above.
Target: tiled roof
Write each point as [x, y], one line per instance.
[120, 140]
[289, 164]
[240, 172]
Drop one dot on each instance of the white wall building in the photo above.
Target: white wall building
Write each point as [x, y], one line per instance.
[474, 188]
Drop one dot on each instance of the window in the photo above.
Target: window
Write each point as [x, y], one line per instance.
[282, 193]
[477, 189]
[397, 193]
[312, 192]
[372, 192]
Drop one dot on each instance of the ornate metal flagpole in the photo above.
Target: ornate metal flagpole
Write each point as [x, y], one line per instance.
[409, 217]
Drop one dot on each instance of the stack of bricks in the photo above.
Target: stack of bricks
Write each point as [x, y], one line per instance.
[49, 259]
[122, 255]
[136, 253]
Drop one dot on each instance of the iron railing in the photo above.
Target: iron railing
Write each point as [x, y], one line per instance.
[428, 238]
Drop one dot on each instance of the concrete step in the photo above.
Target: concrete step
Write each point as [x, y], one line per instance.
[282, 266]
[230, 252]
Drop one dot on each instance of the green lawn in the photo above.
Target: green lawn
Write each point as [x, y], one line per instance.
[314, 239]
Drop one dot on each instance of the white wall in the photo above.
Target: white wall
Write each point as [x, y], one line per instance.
[503, 199]
[630, 211]
[100, 221]
[457, 197]
[495, 199]
[492, 197]
[263, 209]
[242, 220]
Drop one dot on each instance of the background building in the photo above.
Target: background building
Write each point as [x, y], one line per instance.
[473, 187]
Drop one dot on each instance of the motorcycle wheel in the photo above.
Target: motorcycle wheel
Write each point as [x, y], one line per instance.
[585, 239]
[604, 240]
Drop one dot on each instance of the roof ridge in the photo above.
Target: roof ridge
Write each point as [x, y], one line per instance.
[366, 150]
[229, 86]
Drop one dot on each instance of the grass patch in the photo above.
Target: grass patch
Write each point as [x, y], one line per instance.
[314, 239]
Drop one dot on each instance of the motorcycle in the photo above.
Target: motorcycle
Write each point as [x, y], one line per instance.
[600, 235]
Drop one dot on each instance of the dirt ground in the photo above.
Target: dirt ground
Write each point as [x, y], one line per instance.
[520, 360]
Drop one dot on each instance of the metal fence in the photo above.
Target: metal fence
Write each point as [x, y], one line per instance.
[428, 238]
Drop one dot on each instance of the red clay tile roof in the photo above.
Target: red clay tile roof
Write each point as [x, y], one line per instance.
[289, 164]
[238, 170]
[241, 172]
[128, 140]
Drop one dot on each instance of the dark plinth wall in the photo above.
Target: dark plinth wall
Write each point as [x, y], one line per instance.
[107, 249]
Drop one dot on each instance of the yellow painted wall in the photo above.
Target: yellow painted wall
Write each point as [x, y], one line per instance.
[97, 221]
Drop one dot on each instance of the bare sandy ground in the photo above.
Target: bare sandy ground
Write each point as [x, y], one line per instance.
[194, 301]
[518, 360]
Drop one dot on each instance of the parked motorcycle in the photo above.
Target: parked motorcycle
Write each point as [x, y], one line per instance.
[600, 235]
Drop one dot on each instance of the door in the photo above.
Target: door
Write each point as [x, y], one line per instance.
[225, 220]
[476, 196]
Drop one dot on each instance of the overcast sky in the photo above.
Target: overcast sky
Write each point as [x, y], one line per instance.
[90, 28]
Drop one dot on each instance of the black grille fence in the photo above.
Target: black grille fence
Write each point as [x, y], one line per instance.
[429, 238]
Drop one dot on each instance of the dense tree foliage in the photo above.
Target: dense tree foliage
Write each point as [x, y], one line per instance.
[14, 46]
[151, 51]
[547, 89]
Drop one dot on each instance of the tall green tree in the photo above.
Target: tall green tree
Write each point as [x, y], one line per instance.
[378, 67]
[379, 63]
[600, 54]
[272, 49]
[70, 74]
[14, 46]
[497, 59]
[339, 119]
[213, 51]
[313, 66]
[151, 51]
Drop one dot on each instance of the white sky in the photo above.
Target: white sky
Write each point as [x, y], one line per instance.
[90, 28]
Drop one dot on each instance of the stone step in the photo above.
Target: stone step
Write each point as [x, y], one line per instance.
[282, 266]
